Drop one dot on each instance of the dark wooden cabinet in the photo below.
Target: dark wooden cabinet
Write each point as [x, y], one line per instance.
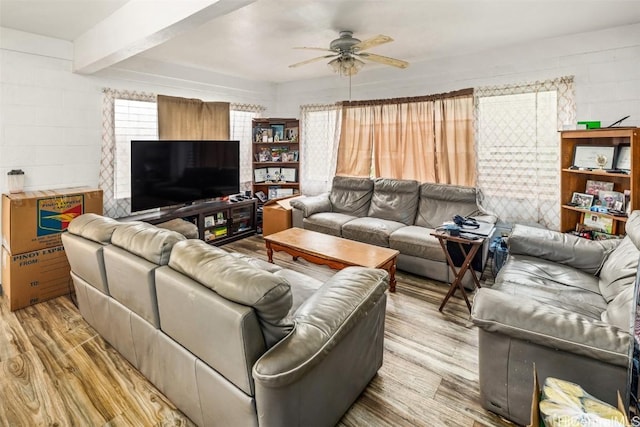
[217, 222]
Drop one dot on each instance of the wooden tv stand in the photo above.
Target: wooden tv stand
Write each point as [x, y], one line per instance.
[218, 222]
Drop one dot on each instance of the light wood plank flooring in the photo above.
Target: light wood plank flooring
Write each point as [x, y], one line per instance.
[56, 371]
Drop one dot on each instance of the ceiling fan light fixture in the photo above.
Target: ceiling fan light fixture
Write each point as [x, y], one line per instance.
[346, 66]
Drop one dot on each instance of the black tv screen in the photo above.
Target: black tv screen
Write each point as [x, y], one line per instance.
[166, 173]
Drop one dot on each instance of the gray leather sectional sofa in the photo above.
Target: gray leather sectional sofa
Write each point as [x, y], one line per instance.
[565, 304]
[399, 214]
[230, 340]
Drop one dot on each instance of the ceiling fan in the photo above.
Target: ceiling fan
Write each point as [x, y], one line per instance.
[347, 53]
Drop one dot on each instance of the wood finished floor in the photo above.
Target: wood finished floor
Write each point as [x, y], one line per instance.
[56, 371]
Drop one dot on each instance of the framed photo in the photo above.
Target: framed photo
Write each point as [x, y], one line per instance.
[609, 198]
[288, 174]
[278, 132]
[582, 200]
[291, 134]
[586, 156]
[593, 187]
[260, 175]
[623, 158]
[598, 222]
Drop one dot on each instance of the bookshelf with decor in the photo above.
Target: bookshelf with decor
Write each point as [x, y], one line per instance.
[276, 157]
[599, 179]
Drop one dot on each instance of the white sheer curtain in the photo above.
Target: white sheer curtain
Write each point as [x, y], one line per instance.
[241, 130]
[115, 207]
[518, 148]
[319, 138]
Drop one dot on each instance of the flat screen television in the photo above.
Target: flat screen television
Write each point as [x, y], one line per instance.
[169, 172]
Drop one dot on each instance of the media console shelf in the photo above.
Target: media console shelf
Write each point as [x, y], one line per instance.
[218, 222]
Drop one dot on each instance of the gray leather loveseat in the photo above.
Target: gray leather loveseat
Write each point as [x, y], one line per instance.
[230, 340]
[394, 213]
[563, 303]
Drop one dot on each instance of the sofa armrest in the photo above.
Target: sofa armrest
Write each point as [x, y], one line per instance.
[312, 376]
[563, 248]
[311, 205]
[539, 323]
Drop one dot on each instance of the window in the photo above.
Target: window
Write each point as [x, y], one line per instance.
[132, 120]
[320, 132]
[518, 157]
[241, 130]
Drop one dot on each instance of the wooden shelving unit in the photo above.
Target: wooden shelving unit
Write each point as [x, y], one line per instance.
[572, 180]
[287, 146]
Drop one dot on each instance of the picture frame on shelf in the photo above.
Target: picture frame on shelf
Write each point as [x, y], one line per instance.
[273, 191]
[609, 198]
[623, 158]
[259, 175]
[264, 155]
[582, 200]
[598, 222]
[593, 187]
[288, 174]
[278, 132]
[291, 134]
[586, 156]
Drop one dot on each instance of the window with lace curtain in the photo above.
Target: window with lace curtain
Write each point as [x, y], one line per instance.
[320, 133]
[518, 147]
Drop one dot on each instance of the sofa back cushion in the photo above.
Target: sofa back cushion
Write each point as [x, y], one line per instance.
[351, 196]
[394, 200]
[440, 202]
[238, 281]
[94, 227]
[146, 241]
[619, 269]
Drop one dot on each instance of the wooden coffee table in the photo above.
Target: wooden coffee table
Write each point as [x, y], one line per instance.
[335, 252]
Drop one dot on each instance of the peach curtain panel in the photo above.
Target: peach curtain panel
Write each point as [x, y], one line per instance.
[429, 139]
[454, 141]
[356, 144]
[185, 118]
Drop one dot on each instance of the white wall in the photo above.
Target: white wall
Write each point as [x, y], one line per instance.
[606, 66]
[51, 118]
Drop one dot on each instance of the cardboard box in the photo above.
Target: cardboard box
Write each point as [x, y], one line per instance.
[276, 215]
[536, 419]
[33, 220]
[36, 276]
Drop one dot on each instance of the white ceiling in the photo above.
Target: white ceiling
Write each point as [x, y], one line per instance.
[254, 40]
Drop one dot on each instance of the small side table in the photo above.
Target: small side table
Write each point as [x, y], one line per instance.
[476, 244]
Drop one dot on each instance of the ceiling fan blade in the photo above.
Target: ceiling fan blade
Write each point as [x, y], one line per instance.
[309, 61]
[373, 41]
[315, 48]
[383, 59]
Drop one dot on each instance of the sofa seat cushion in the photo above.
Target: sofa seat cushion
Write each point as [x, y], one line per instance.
[374, 231]
[350, 195]
[556, 285]
[418, 242]
[302, 287]
[394, 200]
[327, 222]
